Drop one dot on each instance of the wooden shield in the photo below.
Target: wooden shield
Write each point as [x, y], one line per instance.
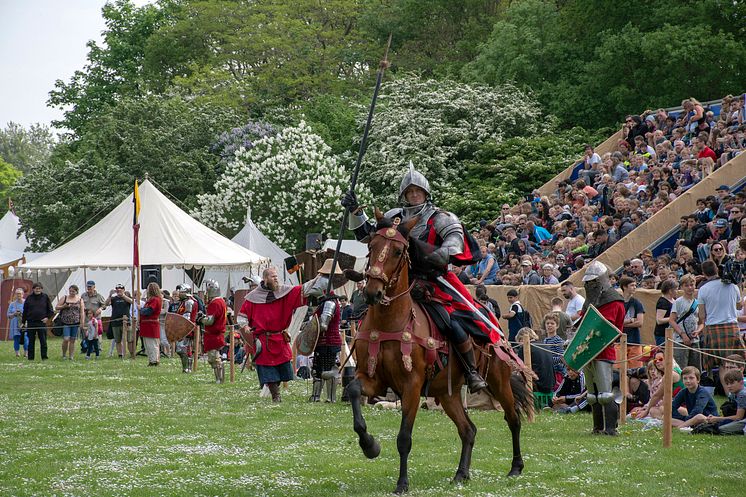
[177, 326]
[594, 334]
[308, 336]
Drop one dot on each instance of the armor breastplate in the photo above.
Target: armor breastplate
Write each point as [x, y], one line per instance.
[419, 231]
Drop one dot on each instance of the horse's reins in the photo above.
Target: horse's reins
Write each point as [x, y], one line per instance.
[376, 272]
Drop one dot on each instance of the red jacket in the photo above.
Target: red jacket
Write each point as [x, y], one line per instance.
[614, 313]
[215, 332]
[150, 326]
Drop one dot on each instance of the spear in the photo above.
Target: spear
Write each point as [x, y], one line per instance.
[384, 64]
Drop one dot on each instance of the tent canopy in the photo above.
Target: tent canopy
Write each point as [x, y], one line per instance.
[9, 238]
[168, 237]
[252, 238]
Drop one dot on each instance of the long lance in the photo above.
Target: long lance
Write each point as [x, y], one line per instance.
[353, 181]
[468, 304]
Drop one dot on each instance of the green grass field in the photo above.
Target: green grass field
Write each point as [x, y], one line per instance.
[120, 428]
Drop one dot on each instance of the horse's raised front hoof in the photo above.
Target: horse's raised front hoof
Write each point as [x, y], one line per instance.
[373, 450]
[401, 488]
[460, 477]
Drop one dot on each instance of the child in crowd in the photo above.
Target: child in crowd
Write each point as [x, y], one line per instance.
[91, 334]
[692, 401]
[555, 346]
[734, 424]
[571, 394]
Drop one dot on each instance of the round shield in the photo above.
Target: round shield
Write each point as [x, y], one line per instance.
[177, 326]
[308, 336]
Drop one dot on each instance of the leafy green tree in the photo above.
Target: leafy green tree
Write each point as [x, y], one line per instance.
[439, 125]
[57, 201]
[290, 180]
[259, 55]
[8, 176]
[590, 69]
[633, 70]
[504, 172]
[26, 148]
[434, 38]
[115, 68]
[168, 139]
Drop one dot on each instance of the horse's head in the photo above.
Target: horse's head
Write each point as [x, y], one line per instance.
[388, 257]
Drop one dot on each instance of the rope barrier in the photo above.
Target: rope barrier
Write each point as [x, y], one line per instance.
[742, 363]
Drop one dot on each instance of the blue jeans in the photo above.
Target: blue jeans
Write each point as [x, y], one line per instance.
[660, 340]
[70, 331]
[17, 342]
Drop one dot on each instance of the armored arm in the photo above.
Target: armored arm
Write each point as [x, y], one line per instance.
[357, 221]
[326, 315]
[449, 229]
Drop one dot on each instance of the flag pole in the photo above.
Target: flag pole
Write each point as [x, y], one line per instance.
[135, 265]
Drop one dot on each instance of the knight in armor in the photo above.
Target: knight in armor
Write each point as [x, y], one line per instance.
[188, 308]
[599, 372]
[440, 240]
[214, 322]
[329, 344]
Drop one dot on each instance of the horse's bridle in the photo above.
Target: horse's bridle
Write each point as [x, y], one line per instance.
[375, 269]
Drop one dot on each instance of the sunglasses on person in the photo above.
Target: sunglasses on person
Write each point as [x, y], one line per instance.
[717, 249]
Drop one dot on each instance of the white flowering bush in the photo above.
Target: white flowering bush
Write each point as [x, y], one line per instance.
[439, 125]
[292, 183]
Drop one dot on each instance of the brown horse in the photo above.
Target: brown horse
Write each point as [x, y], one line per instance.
[392, 319]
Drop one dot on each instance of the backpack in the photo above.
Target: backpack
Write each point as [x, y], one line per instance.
[524, 317]
[707, 428]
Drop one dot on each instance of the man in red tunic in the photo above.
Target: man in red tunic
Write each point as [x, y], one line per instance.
[598, 372]
[214, 322]
[267, 311]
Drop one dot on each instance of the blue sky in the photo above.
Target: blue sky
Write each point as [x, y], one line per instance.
[42, 41]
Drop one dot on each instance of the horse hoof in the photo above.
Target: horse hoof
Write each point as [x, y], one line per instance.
[515, 472]
[400, 489]
[373, 450]
[460, 477]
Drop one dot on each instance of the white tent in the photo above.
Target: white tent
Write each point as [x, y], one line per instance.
[252, 238]
[10, 240]
[354, 248]
[169, 237]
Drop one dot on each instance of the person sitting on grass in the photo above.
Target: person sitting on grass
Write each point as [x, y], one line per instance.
[570, 396]
[655, 372]
[639, 392]
[692, 401]
[734, 424]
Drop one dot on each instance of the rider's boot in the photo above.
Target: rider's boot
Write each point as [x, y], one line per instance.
[473, 380]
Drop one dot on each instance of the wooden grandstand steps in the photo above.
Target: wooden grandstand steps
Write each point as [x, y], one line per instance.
[660, 225]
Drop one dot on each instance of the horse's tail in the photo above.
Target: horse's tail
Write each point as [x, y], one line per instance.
[524, 398]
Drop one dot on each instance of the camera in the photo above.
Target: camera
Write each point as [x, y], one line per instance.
[732, 272]
[640, 373]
